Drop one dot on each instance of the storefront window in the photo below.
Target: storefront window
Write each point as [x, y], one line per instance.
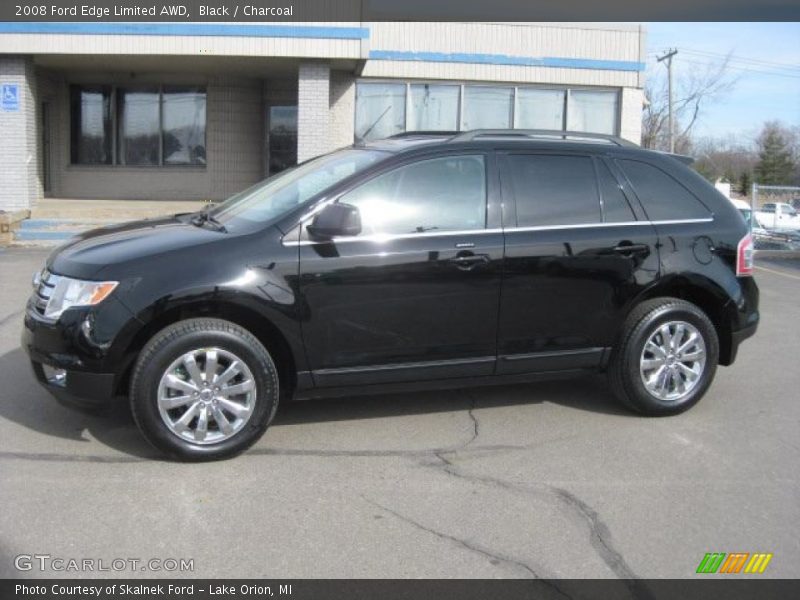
[380, 110]
[90, 119]
[434, 107]
[139, 130]
[155, 125]
[540, 109]
[184, 123]
[591, 111]
[487, 107]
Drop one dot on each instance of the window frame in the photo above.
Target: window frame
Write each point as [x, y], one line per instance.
[463, 84]
[631, 202]
[629, 184]
[493, 195]
[511, 215]
[116, 162]
[487, 174]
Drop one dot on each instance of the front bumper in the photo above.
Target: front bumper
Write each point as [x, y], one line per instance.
[90, 373]
[88, 391]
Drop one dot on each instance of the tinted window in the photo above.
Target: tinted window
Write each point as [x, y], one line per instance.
[288, 189]
[433, 195]
[662, 196]
[615, 206]
[553, 190]
[90, 116]
[183, 115]
[138, 126]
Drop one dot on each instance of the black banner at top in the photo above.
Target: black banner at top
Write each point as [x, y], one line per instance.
[395, 10]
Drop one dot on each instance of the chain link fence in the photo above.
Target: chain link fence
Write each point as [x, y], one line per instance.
[775, 217]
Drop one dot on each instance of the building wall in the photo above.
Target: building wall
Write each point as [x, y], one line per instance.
[342, 109]
[631, 102]
[19, 186]
[234, 146]
[313, 110]
[247, 67]
[508, 52]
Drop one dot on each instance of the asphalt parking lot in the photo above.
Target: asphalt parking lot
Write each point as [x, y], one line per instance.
[545, 480]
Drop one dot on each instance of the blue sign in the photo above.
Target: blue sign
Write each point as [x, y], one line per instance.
[9, 97]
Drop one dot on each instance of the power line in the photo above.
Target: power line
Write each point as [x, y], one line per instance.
[744, 68]
[744, 59]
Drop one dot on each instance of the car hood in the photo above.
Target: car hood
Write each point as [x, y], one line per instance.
[94, 253]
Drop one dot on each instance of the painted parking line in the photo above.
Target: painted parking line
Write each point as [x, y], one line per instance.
[784, 273]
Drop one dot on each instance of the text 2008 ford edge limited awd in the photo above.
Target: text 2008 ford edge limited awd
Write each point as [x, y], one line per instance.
[421, 261]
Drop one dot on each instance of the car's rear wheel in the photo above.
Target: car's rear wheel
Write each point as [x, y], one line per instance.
[203, 389]
[666, 357]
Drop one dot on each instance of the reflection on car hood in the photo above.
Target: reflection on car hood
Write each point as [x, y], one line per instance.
[90, 252]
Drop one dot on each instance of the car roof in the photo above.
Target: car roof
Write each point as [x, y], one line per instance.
[530, 138]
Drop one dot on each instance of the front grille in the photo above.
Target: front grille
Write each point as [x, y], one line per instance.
[43, 291]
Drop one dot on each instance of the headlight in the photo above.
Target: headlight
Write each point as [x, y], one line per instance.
[74, 292]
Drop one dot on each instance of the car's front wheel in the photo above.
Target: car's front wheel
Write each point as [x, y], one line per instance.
[203, 389]
[666, 357]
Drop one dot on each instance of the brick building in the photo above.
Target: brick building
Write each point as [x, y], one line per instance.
[203, 110]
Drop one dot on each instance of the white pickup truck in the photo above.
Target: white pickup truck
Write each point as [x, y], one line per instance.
[777, 215]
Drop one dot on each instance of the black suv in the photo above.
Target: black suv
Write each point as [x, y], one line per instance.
[425, 260]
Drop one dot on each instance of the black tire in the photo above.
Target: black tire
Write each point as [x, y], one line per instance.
[171, 343]
[624, 373]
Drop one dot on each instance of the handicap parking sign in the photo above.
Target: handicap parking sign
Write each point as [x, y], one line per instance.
[9, 97]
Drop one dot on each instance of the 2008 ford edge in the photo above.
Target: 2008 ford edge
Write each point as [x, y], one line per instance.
[421, 261]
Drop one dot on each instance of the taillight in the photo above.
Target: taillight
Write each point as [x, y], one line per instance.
[744, 257]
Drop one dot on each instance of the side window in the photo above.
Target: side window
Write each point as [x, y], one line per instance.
[552, 190]
[662, 196]
[439, 194]
[615, 205]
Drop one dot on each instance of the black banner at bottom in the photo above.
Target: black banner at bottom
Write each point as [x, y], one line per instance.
[391, 589]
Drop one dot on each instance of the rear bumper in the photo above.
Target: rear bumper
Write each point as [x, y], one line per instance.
[737, 337]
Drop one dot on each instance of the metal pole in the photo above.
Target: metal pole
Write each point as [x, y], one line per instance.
[668, 57]
[753, 195]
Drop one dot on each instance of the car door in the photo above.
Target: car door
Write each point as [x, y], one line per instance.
[415, 295]
[577, 251]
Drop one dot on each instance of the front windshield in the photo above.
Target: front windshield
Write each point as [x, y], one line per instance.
[282, 192]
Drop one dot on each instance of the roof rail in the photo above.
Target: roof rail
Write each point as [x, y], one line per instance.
[468, 136]
[421, 133]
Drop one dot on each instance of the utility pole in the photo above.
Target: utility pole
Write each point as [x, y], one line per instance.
[668, 57]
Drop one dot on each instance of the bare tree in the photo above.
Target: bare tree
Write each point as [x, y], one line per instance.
[695, 88]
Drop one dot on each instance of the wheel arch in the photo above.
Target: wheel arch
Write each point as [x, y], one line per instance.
[706, 295]
[256, 323]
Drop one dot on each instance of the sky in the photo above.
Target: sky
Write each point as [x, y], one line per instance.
[765, 60]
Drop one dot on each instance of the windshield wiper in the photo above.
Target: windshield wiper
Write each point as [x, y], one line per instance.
[205, 217]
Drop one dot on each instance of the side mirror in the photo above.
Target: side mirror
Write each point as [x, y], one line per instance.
[334, 220]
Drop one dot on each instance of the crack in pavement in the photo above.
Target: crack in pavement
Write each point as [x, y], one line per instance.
[599, 533]
[471, 413]
[493, 556]
[422, 453]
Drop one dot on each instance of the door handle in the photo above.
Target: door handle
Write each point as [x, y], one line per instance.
[623, 248]
[467, 260]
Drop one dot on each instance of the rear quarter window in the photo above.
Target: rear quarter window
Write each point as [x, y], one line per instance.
[661, 195]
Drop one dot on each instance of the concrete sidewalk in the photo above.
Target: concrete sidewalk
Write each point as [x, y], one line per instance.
[112, 211]
[55, 220]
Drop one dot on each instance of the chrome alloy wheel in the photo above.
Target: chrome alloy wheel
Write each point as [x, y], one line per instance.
[207, 395]
[673, 361]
